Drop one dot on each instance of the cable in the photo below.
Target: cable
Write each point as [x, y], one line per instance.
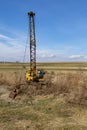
[25, 49]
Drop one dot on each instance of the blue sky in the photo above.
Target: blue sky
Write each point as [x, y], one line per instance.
[61, 29]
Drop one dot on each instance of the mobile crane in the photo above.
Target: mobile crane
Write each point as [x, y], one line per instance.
[32, 74]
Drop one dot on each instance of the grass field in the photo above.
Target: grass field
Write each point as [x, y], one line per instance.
[46, 113]
[59, 105]
[61, 66]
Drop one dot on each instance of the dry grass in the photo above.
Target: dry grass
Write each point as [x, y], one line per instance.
[71, 85]
[58, 105]
[47, 113]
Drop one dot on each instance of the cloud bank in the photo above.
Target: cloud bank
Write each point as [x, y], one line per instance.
[16, 49]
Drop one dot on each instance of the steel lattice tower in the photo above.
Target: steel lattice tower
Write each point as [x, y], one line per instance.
[32, 42]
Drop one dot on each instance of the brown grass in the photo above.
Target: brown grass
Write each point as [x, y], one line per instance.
[71, 85]
[44, 107]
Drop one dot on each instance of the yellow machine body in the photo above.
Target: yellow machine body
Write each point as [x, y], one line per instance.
[32, 75]
[29, 76]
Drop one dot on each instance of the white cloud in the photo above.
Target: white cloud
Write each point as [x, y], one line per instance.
[76, 56]
[11, 49]
[4, 37]
[85, 57]
[10, 53]
[48, 55]
[51, 54]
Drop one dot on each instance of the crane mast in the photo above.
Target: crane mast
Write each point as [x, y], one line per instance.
[32, 43]
[33, 74]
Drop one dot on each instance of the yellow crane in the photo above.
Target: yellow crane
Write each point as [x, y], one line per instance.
[32, 74]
